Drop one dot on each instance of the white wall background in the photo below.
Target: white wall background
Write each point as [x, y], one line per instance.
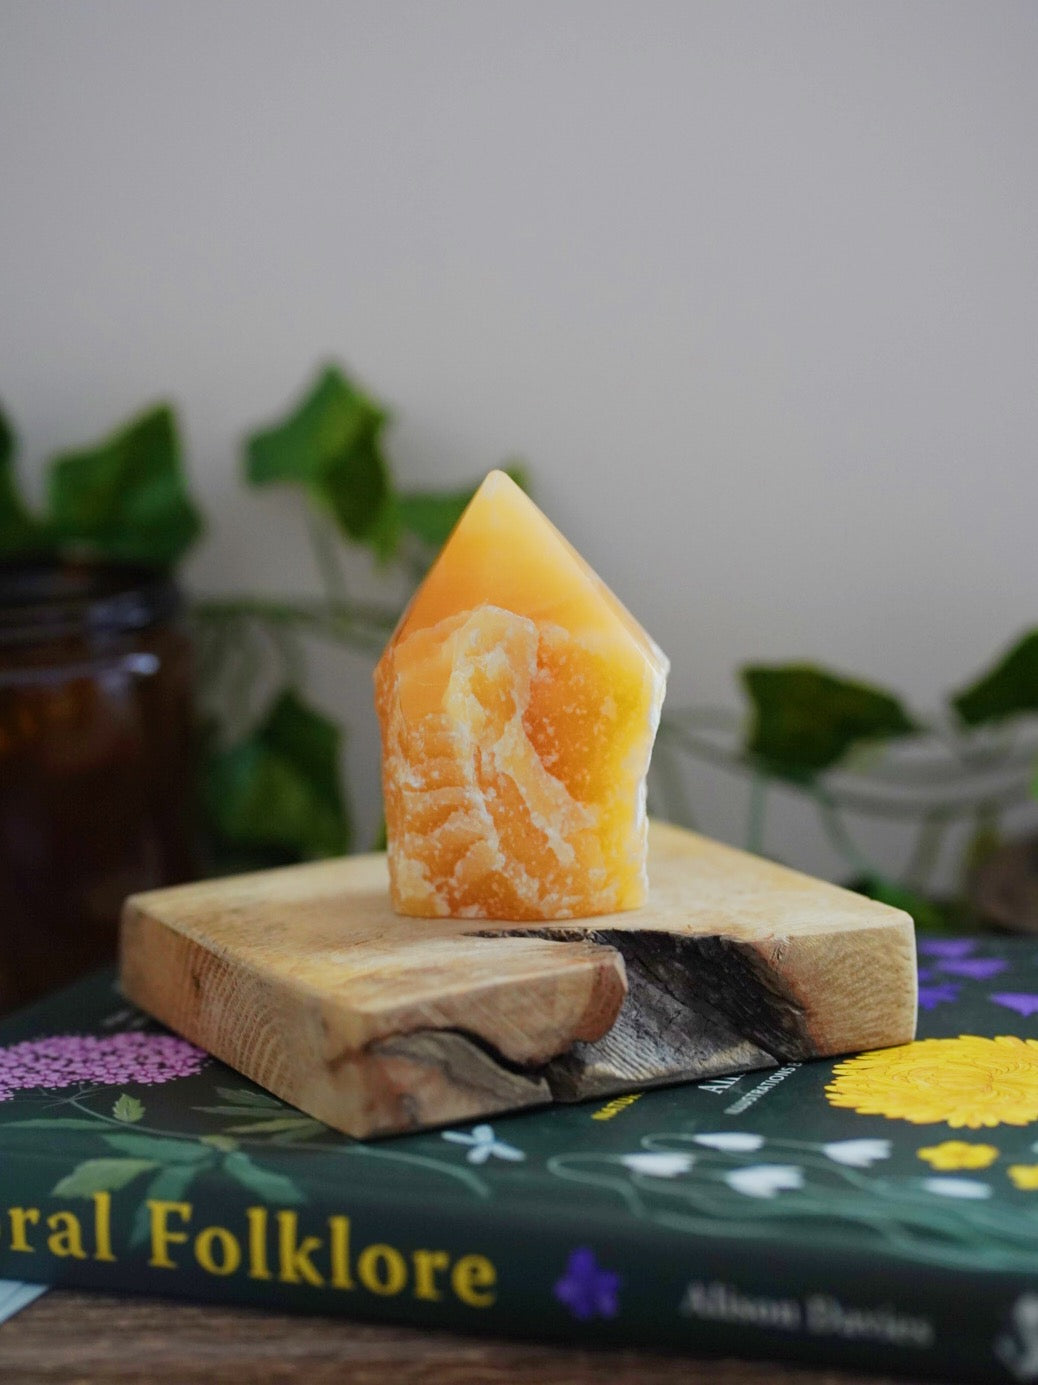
[752, 287]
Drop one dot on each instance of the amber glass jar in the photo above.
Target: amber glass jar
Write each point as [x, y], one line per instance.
[96, 765]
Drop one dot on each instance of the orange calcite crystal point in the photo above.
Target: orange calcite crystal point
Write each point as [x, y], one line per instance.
[518, 702]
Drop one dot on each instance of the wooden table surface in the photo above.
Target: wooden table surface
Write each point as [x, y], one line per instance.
[92, 1339]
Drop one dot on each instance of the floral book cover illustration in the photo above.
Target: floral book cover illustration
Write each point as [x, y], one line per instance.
[879, 1210]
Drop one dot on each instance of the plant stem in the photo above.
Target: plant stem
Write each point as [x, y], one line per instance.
[961, 764]
[326, 554]
[923, 859]
[129, 1126]
[289, 652]
[354, 624]
[755, 824]
[677, 805]
[867, 800]
[838, 834]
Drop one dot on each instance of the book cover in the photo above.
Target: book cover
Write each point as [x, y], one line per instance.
[877, 1211]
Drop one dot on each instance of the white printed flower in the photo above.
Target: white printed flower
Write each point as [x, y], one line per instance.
[483, 1144]
[765, 1180]
[731, 1141]
[658, 1165]
[857, 1154]
[957, 1187]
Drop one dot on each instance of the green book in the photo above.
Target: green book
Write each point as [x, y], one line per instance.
[879, 1211]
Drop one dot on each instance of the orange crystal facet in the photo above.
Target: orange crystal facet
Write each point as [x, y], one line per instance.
[518, 702]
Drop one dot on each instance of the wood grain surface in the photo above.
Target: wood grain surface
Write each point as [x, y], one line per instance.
[87, 1339]
[306, 981]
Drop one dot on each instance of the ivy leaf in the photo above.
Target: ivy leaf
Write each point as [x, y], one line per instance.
[128, 1108]
[126, 497]
[332, 443]
[281, 787]
[431, 515]
[806, 719]
[157, 1149]
[100, 1176]
[1008, 689]
[272, 1187]
[17, 530]
[169, 1185]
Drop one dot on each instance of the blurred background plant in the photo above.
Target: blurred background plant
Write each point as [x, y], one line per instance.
[854, 751]
[271, 787]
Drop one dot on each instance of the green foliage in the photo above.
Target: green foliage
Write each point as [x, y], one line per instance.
[274, 795]
[278, 1126]
[128, 1108]
[431, 515]
[125, 498]
[245, 1096]
[332, 444]
[929, 915]
[280, 787]
[260, 1117]
[57, 1123]
[270, 1186]
[168, 1185]
[17, 530]
[158, 1148]
[1008, 689]
[100, 1176]
[806, 719]
[224, 1143]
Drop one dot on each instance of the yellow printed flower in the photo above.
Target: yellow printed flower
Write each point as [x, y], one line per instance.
[957, 1154]
[1025, 1176]
[967, 1082]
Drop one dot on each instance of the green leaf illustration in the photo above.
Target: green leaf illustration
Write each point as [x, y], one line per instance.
[245, 1096]
[240, 1112]
[1008, 689]
[17, 530]
[158, 1149]
[128, 1108]
[807, 718]
[270, 1127]
[272, 1187]
[168, 1186]
[126, 497]
[431, 515]
[100, 1176]
[54, 1123]
[331, 443]
[223, 1143]
[280, 787]
[308, 1131]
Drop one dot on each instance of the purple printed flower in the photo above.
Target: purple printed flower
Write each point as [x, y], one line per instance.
[65, 1059]
[586, 1290]
[931, 996]
[946, 947]
[1023, 1002]
[976, 968]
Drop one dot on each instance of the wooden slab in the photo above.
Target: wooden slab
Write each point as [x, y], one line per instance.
[305, 980]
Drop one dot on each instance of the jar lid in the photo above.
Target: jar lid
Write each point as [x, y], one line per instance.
[45, 599]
